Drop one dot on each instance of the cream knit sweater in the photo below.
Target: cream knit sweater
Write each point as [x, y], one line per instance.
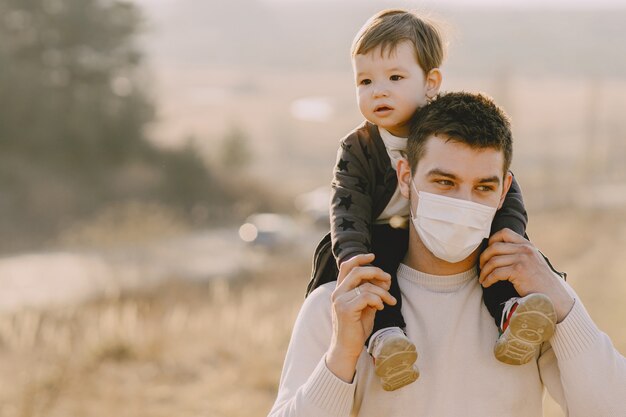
[460, 377]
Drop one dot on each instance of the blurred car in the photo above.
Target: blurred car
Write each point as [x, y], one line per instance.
[268, 230]
[316, 206]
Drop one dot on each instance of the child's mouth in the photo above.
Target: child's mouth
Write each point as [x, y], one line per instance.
[382, 109]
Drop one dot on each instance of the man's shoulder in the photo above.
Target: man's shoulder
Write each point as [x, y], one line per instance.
[320, 298]
[318, 303]
[315, 317]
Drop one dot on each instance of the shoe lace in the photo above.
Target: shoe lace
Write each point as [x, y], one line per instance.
[509, 308]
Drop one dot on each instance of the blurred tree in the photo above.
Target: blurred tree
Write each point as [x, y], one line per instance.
[235, 150]
[70, 70]
[72, 117]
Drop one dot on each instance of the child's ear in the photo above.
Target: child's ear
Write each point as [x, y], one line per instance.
[508, 180]
[433, 82]
[404, 177]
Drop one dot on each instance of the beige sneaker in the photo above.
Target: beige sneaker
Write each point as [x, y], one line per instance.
[394, 358]
[526, 323]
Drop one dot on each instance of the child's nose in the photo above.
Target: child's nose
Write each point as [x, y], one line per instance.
[381, 90]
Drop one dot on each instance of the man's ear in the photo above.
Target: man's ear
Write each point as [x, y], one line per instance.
[403, 172]
[508, 180]
[433, 82]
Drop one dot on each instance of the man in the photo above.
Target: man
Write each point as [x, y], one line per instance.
[455, 178]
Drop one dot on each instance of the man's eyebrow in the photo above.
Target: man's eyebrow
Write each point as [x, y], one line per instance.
[438, 172]
[494, 179]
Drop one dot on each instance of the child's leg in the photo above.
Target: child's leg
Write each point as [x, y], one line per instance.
[512, 215]
[389, 245]
[393, 352]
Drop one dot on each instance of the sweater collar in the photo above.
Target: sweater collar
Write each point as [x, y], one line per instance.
[437, 283]
[392, 143]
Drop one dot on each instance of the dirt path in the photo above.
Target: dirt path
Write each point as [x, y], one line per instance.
[47, 279]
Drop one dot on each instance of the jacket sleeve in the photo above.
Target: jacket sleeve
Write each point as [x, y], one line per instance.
[582, 370]
[351, 200]
[512, 214]
[307, 387]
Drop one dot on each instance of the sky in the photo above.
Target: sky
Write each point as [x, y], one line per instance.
[546, 4]
[501, 3]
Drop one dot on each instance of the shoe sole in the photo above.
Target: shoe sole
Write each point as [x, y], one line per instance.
[395, 364]
[400, 379]
[533, 323]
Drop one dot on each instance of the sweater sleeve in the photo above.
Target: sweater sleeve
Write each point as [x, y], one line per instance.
[351, 200]
[582, 370]
[512, 214]
[307, 387]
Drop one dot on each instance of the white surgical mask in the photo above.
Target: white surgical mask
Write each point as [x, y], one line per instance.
[451, 228]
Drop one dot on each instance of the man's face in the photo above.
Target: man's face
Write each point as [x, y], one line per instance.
[455, 170]
[390, 87]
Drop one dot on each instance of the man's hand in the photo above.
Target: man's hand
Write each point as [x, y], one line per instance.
[361, 291]
[510, 257]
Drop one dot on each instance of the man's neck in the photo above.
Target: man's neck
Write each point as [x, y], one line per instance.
[421, 259]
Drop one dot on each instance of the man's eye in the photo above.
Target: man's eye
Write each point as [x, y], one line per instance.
[484, 188]
[396, 77]
[447, 183]
[366, 81]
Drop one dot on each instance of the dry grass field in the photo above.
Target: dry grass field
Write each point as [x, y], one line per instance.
[217, 349]
[183, 349]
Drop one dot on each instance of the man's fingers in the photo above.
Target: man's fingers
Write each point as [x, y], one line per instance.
[352, 263]
[507, 236]
[362, 285]
[499, 274]
[496, 262]
[496, 249]
[504, 242]
[380, 292]
[364, 290]
[384, 284]
[368, 299]
[364, 273]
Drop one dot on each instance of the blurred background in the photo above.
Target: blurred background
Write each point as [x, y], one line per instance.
[164, 169]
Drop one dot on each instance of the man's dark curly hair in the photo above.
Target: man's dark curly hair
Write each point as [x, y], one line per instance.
[473, 119]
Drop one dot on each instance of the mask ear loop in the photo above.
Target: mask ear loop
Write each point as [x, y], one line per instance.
[413, 188]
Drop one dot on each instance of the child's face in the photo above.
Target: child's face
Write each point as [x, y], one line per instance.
[390, 87]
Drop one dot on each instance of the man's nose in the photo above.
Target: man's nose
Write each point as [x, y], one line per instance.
[463, 193]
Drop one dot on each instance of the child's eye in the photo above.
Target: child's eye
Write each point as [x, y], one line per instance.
[365, 81]
[396, 77]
